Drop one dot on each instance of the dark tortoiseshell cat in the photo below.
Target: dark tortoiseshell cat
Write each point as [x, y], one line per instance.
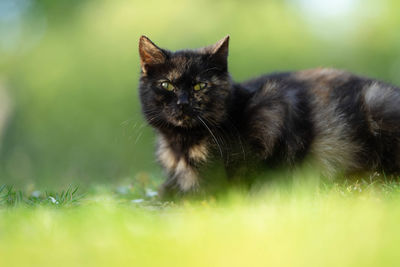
[346, 122]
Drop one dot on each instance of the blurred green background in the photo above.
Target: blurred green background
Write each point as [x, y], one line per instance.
[69, 110]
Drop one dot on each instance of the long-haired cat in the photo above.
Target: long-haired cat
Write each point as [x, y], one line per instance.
[346, 122]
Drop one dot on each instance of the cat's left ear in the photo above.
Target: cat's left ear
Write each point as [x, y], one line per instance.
[219, 51]
[150, 54]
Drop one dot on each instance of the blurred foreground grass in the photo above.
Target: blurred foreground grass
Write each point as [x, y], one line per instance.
[328, 224]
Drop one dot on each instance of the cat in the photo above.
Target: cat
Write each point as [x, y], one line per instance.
[347, 123]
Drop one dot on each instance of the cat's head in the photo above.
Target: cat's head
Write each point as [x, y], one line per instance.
[187, 88]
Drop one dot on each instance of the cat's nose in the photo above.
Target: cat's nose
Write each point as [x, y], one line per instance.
[183, 99]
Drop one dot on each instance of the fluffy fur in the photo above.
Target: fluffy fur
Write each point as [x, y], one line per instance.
[346, 122]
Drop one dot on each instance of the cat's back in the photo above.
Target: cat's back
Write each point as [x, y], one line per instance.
[321, 82]
[343, 119]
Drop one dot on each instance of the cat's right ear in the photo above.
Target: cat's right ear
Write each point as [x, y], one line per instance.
[219, 51]
[150, 54]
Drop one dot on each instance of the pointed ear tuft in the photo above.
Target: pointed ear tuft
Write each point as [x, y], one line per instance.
[220, 50]
[221, 47]
[150, 54]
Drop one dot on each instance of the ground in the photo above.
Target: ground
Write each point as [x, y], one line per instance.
[304, 223]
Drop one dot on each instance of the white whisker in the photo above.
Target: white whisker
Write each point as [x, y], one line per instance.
[212, 134]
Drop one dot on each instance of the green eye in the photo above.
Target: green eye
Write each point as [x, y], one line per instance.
[199, 86]
[167, 86]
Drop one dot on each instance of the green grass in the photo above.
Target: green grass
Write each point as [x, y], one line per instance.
[304, 223]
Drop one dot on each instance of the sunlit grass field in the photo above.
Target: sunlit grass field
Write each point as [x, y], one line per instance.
[302, 223]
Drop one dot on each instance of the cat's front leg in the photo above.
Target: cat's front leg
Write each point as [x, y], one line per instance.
[181, 166]
[182, 177]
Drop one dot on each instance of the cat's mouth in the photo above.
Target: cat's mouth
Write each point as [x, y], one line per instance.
[184, 120]
[181, 118]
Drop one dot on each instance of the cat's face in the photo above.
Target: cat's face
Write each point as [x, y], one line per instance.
[185, 88]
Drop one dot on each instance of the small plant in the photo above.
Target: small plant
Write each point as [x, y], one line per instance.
[10, 197]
